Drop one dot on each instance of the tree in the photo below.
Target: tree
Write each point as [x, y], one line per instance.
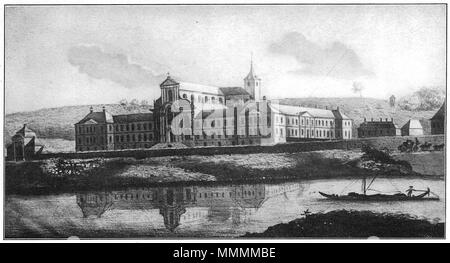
[134, 102]
[358, 87]
[123, 102]
[426, 98]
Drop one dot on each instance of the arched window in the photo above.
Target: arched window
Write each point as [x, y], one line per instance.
[192, 97]
[170, 94]
[206, 99]
[220, 100]
[213, 100]
[199, 98]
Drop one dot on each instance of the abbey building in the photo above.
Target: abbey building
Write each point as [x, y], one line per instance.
[190, 115]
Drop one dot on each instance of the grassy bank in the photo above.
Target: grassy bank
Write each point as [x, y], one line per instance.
[354, 224]
[59, 175]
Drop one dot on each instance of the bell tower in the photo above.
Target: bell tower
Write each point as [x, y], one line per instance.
[252, 83]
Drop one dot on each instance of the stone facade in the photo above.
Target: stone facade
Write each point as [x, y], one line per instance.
[198, 115]
[379, 128]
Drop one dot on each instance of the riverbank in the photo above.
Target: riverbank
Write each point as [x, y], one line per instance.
[68, 175]
[354, 224]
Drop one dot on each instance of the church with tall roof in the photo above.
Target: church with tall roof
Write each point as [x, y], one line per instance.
[195, 115]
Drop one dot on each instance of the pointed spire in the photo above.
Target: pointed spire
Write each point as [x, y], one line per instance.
[251, 62]
[251, 74]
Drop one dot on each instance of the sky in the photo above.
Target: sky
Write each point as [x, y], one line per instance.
[80, 55]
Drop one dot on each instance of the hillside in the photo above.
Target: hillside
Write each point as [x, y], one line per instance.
[58, 123]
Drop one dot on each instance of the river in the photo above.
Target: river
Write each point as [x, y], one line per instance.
[199, 211]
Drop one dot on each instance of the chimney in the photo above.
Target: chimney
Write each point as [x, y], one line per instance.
[91, 109]
[337, 108]
[381, 119]
[392, 119]
[364, 119]
[386, 119]
[103, 108]
[24, 125]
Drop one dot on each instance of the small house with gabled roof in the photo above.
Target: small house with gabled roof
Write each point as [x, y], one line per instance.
[438, 121]
[24, 146]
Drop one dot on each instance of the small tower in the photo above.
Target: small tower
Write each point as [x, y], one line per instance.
[252, 83]
[392, 101]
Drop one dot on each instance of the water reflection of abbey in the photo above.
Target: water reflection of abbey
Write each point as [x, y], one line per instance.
[178, 205]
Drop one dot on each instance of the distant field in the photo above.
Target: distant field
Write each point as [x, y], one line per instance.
[58, 145]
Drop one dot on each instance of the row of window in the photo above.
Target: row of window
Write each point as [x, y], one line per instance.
[201, 99]
[90, 140]
[214, 136]
[377, 132]
[319, 133]
[90, 129]
[294, 121]
[133, 127]
[134, 137]
[119, 127]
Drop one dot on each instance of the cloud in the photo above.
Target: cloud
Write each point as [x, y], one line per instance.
[335, 60]
[96, 63]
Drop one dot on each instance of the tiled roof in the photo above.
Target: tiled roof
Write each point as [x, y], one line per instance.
[200, 88]
[440, 114]
[378, 124]
[26, 132]
[229, 91]
[136, 117]
[412, 124]
[99, 117]
[294, 110]
[340, 115]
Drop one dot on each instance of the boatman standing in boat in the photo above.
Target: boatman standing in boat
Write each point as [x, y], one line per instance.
[410, 191]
